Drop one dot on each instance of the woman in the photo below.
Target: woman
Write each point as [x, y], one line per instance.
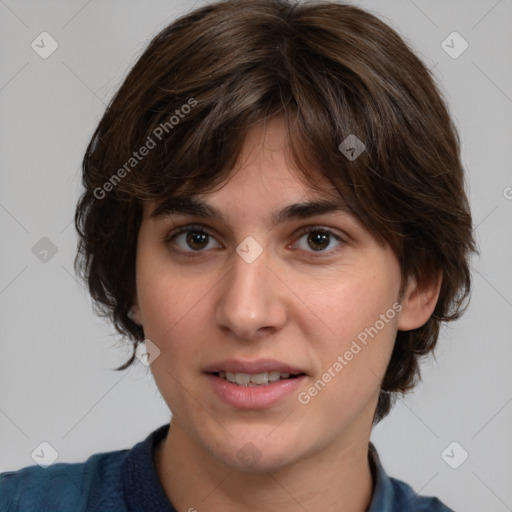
[274, 206]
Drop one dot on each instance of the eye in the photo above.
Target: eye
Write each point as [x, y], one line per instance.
[319, 239]
[193, 237]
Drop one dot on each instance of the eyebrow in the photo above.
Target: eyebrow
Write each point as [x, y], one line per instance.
[192, 206]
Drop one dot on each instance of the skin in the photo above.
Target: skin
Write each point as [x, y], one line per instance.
[287, 305]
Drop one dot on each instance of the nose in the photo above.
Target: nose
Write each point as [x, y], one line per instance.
[251, 298]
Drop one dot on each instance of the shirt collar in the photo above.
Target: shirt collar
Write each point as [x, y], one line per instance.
[383, 490]
[141, 485]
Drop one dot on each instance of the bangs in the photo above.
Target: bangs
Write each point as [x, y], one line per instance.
[194, 150]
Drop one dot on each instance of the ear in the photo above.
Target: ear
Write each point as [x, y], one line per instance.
[419, 303]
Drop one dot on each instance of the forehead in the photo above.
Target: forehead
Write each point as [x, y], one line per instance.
[263, 178]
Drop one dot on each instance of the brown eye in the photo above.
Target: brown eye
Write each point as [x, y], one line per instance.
[319, 240]
[192, 238]
[196, 240]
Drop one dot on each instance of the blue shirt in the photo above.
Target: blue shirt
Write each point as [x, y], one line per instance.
[127, 481]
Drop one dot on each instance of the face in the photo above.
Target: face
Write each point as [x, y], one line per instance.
[313, 297]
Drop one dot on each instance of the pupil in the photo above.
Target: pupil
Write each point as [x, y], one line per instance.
[196, 235]
[319, 237]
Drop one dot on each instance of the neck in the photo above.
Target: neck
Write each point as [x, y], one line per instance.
[338, 478]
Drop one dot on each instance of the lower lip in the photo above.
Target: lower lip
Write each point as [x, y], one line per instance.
[253, 397]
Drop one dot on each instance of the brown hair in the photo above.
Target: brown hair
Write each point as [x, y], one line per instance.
[331, 70]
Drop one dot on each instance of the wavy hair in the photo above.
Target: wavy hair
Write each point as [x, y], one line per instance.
[178, 122]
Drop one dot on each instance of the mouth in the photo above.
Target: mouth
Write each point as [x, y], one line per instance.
[255, 379]
[255, 384]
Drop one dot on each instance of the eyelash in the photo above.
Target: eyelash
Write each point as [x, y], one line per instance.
[197, 228]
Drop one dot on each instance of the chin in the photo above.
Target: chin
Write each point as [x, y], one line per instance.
[250, 459]
[254, 450]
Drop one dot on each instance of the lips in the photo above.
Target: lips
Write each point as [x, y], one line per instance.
[252, 384]
[253, 367]
[247, 396]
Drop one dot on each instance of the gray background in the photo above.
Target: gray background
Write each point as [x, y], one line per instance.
[56, 378]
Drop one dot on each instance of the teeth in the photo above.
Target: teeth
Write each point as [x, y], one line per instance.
[242, 379]
[259, 379]
[273, 376]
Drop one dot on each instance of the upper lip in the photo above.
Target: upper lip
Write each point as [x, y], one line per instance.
[252, 367]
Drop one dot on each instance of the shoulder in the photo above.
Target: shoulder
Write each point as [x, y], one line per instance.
[392, 494]
[406, 499]
[63, 486]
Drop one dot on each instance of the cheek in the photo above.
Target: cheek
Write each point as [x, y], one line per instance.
[174, 313]
[168, 294]
[172, 306]
[174, 319]
[354, 303]
[361, 314]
